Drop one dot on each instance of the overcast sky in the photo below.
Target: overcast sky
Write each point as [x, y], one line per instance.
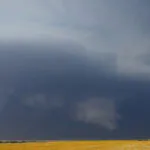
[74, 69]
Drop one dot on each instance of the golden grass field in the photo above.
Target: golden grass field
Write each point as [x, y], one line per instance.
[78, 145]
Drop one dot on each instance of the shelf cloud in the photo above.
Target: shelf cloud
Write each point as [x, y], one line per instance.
[74, 69]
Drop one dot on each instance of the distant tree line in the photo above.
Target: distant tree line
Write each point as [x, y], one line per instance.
[15, 141]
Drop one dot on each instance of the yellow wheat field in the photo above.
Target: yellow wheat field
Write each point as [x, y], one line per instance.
[79, 145]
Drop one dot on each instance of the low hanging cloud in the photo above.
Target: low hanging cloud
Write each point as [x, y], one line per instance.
[100, 111]
[43, 101]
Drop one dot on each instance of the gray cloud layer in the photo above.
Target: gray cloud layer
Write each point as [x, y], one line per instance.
[53, 77]
[44, 85]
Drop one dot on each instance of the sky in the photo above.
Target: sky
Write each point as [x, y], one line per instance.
[74, 69]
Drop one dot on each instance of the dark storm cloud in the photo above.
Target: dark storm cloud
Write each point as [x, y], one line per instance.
[49, 77]
[43, 81]
[50, 92]
[89, 79]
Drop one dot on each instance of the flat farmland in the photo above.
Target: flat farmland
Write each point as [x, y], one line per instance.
[78, 145]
